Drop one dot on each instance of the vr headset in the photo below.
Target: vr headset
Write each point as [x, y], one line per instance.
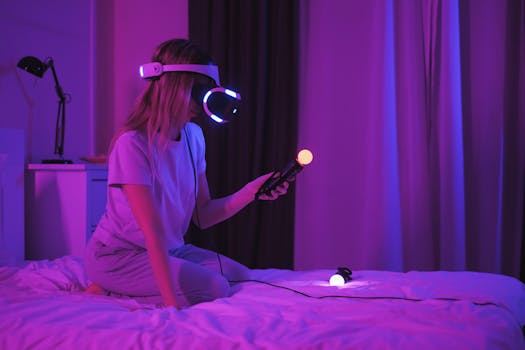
[219, 103]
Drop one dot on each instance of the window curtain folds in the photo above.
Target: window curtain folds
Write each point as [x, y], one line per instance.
[422, 139]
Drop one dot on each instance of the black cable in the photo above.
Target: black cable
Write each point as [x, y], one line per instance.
[358, 297]
[294, 290]
[195, 193]
[291, 289]
[287, 288]
[194, 176]
[220, 263]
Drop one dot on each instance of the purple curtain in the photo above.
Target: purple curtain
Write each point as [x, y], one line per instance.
[415, 113]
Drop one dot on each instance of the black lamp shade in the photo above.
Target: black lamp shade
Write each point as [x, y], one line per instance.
[33, 65]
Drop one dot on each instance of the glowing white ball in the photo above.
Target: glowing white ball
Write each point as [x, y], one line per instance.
[337, 280]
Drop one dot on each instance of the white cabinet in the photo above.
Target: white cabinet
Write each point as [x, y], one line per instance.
[64, 203]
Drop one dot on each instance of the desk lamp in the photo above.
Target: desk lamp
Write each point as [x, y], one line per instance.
[36, 67]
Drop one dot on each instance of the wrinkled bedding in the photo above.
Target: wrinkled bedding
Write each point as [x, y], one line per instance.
[43, 306]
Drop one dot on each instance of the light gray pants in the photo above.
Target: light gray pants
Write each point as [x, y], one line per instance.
[127, 272]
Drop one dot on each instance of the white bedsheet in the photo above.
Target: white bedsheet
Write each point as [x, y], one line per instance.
[42, 306]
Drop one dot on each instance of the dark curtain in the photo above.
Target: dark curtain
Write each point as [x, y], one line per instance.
[522, 270]
[255, 44]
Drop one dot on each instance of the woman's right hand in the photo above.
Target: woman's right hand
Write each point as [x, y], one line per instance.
[256, 184]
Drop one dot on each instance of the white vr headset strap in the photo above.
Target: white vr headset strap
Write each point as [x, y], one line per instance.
[156, 69]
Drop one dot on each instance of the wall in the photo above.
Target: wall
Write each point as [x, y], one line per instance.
[97, 46]
[138, 27]
[11, 196]
[62, 30]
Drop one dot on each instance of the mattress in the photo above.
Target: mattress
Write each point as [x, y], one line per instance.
[43, 306]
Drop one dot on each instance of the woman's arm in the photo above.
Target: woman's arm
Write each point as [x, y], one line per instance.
[212, 211]
[144, 209]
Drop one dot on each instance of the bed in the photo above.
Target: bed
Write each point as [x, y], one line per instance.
[43, 306]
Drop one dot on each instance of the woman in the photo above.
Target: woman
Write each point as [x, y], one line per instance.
[156, 184]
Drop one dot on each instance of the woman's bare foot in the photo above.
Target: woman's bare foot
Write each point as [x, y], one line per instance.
[95, 289]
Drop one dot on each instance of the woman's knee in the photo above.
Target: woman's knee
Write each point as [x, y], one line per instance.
[220, 287]
[237, 272]
[210, 288]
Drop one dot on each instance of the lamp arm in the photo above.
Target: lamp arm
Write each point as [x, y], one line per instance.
[61, 114]
[58, 88]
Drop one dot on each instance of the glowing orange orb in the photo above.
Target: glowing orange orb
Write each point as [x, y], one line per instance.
[305, 157]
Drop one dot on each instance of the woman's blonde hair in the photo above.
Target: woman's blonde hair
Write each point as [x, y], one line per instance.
[164, 105]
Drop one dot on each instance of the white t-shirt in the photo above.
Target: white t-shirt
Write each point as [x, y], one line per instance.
[174, 187]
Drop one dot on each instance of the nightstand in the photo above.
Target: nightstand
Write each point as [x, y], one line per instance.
[64, 203]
